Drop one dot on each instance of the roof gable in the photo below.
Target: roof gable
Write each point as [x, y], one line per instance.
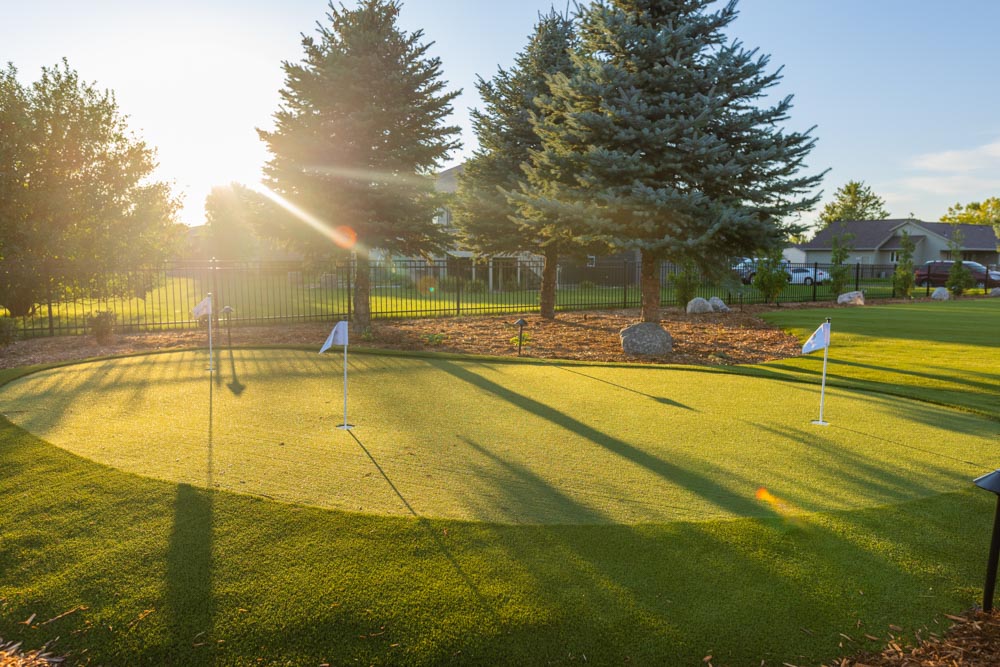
[875, 234]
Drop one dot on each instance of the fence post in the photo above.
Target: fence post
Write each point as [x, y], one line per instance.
[48, 299]
[815, 278]
[350, 267]
[624, 284]
[458, 296]
[857, 276]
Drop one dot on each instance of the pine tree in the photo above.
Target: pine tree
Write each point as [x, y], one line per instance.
[357, 137]
[659, 140]
[488, 219]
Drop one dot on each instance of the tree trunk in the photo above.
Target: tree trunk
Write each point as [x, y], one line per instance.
[362, 291]
[547, 298]
[650, 279]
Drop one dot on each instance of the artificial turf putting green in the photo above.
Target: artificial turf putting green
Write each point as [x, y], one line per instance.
[500, 442]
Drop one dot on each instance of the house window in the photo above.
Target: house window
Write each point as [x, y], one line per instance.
[591, 261]
[894, 257]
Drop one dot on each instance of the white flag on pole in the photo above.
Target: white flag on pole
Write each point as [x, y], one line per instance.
[204, 307]
[337, 337]
[820, 340]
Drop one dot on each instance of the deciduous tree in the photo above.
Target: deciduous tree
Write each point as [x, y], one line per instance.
[77, 200]
[854, 201]
[360, 130]
[660, 140]
[986, 212]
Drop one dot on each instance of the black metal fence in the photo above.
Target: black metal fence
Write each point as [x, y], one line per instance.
[149, 299]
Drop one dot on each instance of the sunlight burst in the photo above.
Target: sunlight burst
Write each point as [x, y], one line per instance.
[342, 235]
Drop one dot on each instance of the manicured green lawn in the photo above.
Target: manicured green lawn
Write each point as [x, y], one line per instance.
[509, 513]
[942, 352]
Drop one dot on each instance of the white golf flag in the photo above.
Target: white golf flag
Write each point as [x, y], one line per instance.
[337, 337]
[204, 307]
[820, 339]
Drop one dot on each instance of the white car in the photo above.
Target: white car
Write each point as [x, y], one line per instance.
[800, 276]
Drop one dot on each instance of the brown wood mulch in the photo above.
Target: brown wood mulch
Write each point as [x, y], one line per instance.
[709, 339]
[739, 337]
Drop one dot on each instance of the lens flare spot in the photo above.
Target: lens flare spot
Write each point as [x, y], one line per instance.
[345, 237]
[765, 495]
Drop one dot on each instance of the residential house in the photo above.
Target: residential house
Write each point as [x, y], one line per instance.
[878, 241]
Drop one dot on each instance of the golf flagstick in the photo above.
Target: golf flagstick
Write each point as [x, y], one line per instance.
[203, 308]
[339, 337]
[820, 339]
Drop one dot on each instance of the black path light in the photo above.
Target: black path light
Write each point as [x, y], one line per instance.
[991, 482]
[520, 333]
[228, 311]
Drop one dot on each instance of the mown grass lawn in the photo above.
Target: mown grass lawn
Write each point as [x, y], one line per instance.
[516, 513]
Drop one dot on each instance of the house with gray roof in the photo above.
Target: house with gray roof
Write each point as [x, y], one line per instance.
[878, 241]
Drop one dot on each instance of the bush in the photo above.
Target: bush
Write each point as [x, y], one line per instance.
[8, 330]
[452, 283]
[587, 284]
[902, 278]
[476, 287]
[102, 325]
[959, 278]
[771, 277]
[511, 285]
[686, 283]
[840, 273]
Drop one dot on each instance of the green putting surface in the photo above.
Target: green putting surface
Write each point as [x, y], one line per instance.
[500, 442]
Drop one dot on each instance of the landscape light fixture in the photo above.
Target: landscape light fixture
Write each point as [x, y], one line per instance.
[227, 311]
[520, 334]
[991, 482]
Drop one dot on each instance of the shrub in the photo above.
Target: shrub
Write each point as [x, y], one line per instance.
[435, 338]
[587, 284]
[476, 287]
[102, 325]
[452, 283]
[8, 330]
[840, 273]
[771, 276]
[902, 278]
[686, 282]
[959, 277]
[511, 285]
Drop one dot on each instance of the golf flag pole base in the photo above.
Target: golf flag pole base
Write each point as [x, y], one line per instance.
[819, 422]
[346, 427]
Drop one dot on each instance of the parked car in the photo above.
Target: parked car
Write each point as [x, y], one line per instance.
[806, 276]
[935, 273]
[746, 269]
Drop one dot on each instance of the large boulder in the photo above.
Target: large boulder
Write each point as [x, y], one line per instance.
[646, 339]
[995, 291]
[718, 305]
[851, 299]
[697, 305]
[941, 294]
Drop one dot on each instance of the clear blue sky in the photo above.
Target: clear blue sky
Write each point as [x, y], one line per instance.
[904, 93]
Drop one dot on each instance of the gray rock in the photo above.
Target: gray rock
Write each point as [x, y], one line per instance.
[718, 305]
[995, 291]
[646, 339]
[851, 299]
[941, 294]
[698, 305]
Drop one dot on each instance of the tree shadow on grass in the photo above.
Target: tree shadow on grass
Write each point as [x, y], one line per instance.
[189, 599]
[658, 399]
[428, 528]
[688, 479]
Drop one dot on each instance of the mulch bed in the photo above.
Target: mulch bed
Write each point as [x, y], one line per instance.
[709, 339]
